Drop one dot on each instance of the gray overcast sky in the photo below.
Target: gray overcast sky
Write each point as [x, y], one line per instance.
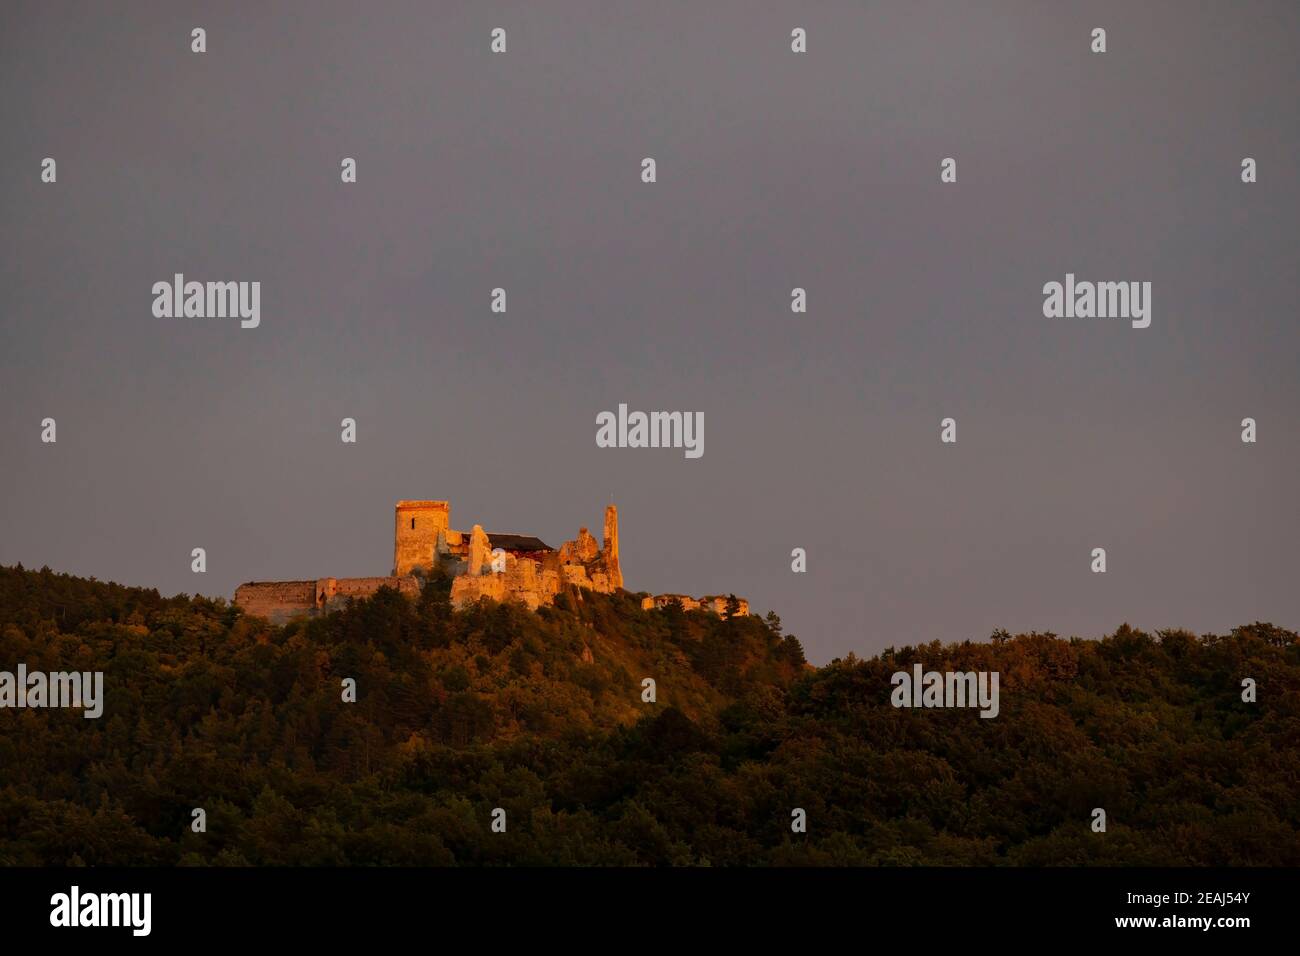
[775, 170]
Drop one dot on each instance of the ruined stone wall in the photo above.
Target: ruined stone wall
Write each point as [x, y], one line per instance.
[454, 543]
[521, 581]
[715, 603]
[415, 534]
[534, 580]
[365, 587]
[276, 600]
[281, 601]
[345, 589]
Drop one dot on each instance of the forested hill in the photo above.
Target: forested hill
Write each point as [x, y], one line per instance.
[542, 714]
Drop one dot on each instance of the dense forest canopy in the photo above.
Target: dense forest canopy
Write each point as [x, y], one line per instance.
[541, 714]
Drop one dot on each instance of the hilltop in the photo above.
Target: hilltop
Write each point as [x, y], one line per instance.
[459, 712]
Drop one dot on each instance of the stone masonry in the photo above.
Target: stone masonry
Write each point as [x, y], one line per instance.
[504, 567]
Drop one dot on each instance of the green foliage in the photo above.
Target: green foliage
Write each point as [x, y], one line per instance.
[459, 712]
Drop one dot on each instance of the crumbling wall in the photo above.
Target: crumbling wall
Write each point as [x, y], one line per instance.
[281, 601]
[365, 587]
[277, 601]
[713, 602]
[520, 581]
[717, 603]
[534, 580]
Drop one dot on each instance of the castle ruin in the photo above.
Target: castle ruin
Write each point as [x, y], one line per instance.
[504, 567]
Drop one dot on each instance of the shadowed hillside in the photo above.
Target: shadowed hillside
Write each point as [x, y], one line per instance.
[541, 714]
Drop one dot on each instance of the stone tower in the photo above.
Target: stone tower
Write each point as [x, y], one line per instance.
[415, 537]
[612, 567]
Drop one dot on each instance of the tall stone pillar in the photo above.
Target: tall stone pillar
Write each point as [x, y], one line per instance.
[479, 555]
[612, 567]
